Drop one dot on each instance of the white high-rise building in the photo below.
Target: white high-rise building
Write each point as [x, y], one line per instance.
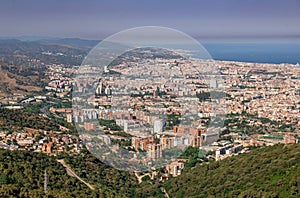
[213, 83]
[100, 88]
[158, 125]
[108, 91]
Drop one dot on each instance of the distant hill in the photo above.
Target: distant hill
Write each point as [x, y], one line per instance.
[72, 42]
[26, 38]
[34, 47]
[20, 73]
[266, 172]
[13, 80]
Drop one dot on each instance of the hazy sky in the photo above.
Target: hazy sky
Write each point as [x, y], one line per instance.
[199, 18]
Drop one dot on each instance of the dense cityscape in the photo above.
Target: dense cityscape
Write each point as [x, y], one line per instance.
[149, 99]
[262, 108]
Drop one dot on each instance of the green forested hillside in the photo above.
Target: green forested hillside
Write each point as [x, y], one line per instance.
[112, 182]
[18, 119]
[266, 172]
[22, 175]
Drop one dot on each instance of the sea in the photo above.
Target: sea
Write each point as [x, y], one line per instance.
[255, 52]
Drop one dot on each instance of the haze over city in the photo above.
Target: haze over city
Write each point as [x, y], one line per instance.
[231, 19]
